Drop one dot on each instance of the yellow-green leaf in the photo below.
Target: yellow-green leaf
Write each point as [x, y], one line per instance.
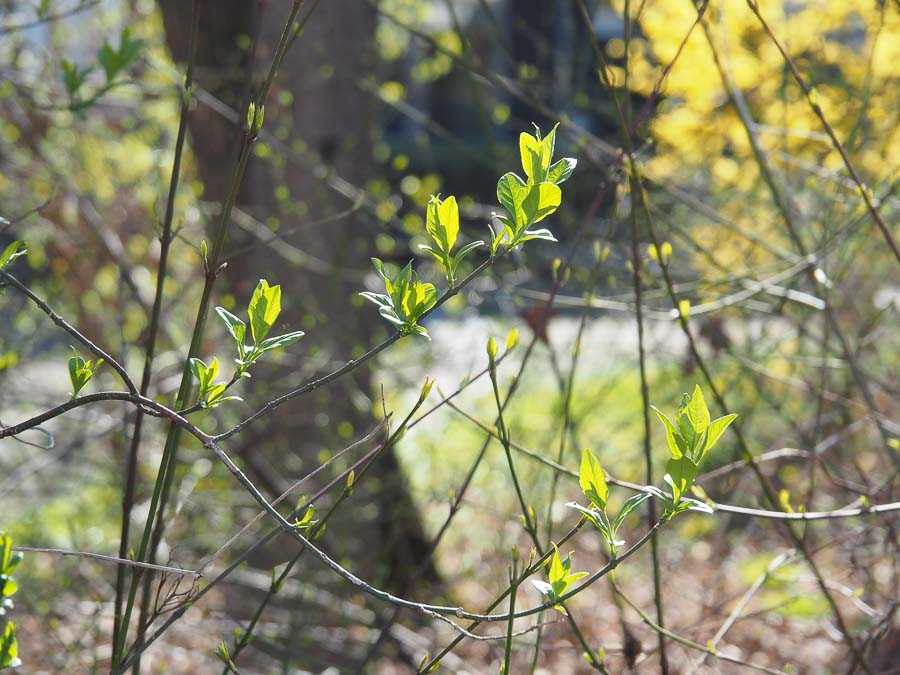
[716, 428]
[697, 411]
[531, 153]
[592, 479]
[263, 310]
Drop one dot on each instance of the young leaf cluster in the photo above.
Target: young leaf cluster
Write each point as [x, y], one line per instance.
[529, 201]
[81, 371]
[308, 520]
[592, 480]
[442, 224]
[406, 298]
[690, 437]
[560, 578]
[526, 202]
[211, 393]
[263, 311]
[9, 560]
[113, 62]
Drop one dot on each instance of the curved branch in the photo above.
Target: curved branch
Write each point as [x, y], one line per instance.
[70, 329]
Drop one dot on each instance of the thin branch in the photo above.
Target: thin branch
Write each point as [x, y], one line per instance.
[121, 562]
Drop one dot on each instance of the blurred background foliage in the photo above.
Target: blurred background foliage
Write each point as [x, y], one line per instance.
[86, 189]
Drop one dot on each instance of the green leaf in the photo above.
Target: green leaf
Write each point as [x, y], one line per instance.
[438, 255]
[281, 341]
[115, 61]
[379, 299]
[466, 250]
[716, 428]
[630, 505]
[214, 393]
[73, 77]
[198, 368]
[80, 373]
[559, 576]
[442, 222]
[9, 586]
[379, 267]
[213, 369]
[542, 586]
[407, 298]
[680, 476]
[543, 233]
[236, 327]
[592, 480]
[109, 59]
[677, 446]
[204, 374]
[398, 288]
[595, 517]
[263, 310]
[11, 252]
[420, 297]
[559, 172]
[531, 152]
[697, 411]
[536, 154]
[542, 200]
[6, 553]
[557, 571]
[511, 192]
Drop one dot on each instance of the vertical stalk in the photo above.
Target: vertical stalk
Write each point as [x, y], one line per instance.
[645, 410]
[154, 526]
[529, 524]
[165, 243]
[637, 281]
[513, 587]
[765, 485]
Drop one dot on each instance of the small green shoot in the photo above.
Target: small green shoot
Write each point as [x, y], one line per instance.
[115, 61]
[81, 372]
[592, 480]
[263, 312]
[442, 224]
[9, 647]
[406, 300]
[527, 202]
[690, 437]
[211, 393]
[560, 579]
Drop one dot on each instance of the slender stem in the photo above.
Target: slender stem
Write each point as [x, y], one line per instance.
[513, 587]
[317, 529]
[154, 526]
[165, 244]
[637, 282]
[683, 322]
[527, 518]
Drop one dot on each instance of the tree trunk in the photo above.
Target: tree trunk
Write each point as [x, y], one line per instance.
[323, 124]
